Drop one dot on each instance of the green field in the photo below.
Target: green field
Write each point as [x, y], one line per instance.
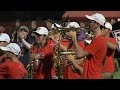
[117, 74]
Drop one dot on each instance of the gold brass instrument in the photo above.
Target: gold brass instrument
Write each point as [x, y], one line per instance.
[30, 67]
[58, 57]
[60, 66]
[64, 29]
[116, 34]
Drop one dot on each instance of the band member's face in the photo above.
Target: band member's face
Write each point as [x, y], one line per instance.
[105, 31]
[40, 38]
[3, 44]
[57, 36]
[92, 24]
[8, 54]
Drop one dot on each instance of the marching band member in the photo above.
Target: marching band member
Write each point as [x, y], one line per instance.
[10, 66]
[109, 64]
[70, 72]
[4, 41]
[54, 26]
[43, 51]
[95, 52]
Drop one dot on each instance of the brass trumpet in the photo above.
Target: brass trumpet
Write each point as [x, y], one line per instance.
[64, 29]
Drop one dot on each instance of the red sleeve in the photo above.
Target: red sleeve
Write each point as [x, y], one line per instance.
[3, 69]
[81, 44]
[17, 71]
[95, 46]
[114, 41]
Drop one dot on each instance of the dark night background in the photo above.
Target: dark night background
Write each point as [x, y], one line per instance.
[36, 9]
[30, 15]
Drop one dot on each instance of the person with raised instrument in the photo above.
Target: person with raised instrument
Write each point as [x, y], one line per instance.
[70, 72]
[95, 52]
[109, 64]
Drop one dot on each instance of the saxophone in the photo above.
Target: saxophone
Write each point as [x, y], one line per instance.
[58, 63]
[59, 57]
[30, 67]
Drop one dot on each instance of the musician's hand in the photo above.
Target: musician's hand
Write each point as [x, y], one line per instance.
[72, 34]
[36, 56]
[41, 56]
[70, 57]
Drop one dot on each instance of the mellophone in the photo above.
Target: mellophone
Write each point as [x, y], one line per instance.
[116, 34]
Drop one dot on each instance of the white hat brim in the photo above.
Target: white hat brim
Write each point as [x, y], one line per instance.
[2, 40]
[39, 33]
[4, 49]
[88, 41]
[89, 17]
[36, 32]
